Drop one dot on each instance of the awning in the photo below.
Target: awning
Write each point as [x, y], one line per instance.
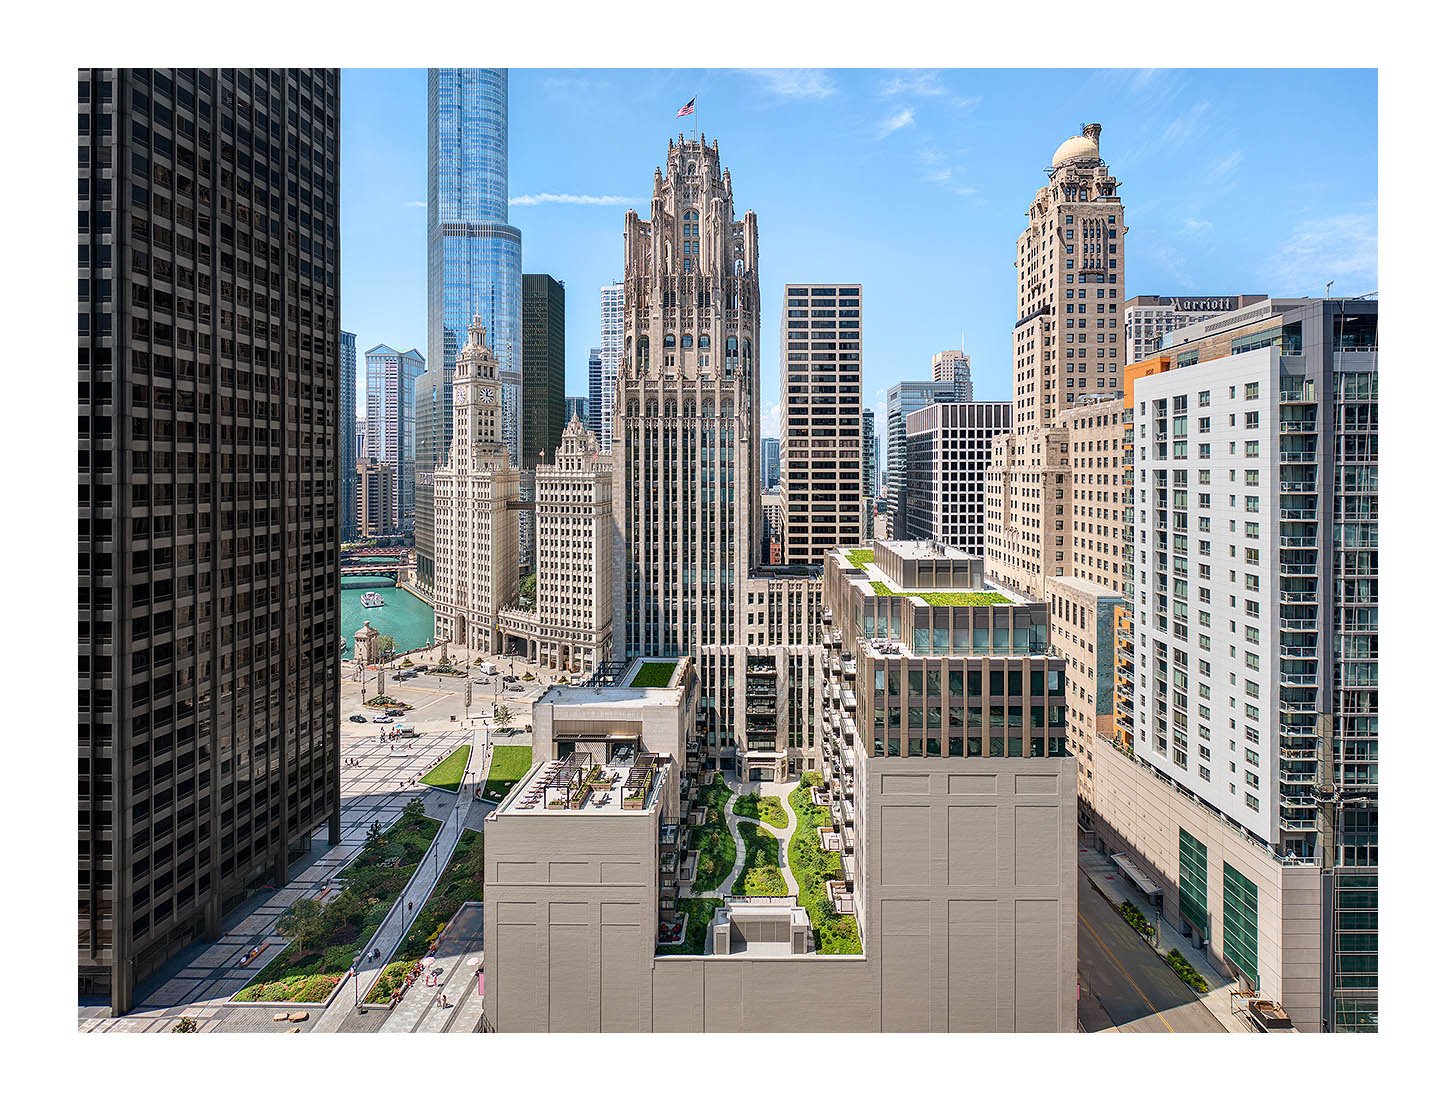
[1140, 878]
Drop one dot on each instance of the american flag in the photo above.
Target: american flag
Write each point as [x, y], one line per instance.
[687, 108]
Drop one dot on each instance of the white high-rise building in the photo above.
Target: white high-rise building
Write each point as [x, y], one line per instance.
[611, 358]
[390, 411]
[476, 535]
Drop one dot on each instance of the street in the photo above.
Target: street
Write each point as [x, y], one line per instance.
[1125, 986]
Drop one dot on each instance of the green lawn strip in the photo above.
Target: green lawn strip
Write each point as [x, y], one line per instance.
[508, 763]
[945, 600]
[699, 913]
[766, 808]
[716, 850]
[834, 934]
[460, 883]
[329, 936]
[860, 557]
[449, 772]
[761, 874]
[654, 674]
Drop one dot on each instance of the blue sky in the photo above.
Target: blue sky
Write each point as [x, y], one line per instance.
[912, 182]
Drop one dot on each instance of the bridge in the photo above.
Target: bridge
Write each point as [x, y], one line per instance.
[382, 569]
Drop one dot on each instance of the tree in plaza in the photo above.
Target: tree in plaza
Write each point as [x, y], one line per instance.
[185, 1024]
[502, 714]
[376, 835]
[304, 922]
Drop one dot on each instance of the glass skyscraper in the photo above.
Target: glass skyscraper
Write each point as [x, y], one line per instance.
[474, 255]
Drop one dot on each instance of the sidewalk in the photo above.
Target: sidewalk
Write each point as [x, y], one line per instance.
[458, 954]
[392, 929]
[1107, 877]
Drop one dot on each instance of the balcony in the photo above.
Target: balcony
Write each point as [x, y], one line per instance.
[1298, 779]
[1301, 426]
[1298, 514]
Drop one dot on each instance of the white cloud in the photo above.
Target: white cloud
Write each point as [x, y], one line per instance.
[415, 203]
[1342, 247]
[924, 82]
[898, 121]
[1187, 125]
[1228, 163]
[543, 197]
[794, 83]
[768, 420]
[1195, 227]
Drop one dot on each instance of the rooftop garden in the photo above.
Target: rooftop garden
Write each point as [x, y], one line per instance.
[766, 808]
[761, 874]
[449, 772]
[654, 674]
[834, 934]
[461, 883]
[508, 763]
[699, 913]
[860, 556]
[946, 600]
[328, 935]
[716, 850]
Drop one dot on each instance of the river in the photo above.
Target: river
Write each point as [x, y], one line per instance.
[404, 617]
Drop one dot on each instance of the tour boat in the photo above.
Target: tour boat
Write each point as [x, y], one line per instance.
[372, 600]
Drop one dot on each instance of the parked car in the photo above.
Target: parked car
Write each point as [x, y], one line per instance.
[358, 718]
[381, 718]
[510, 678]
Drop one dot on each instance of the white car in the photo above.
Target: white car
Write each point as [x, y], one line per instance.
[382, 719]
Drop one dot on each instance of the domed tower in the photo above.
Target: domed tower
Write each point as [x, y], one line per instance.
[1070, 272]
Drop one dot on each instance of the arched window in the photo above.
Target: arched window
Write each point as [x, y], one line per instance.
[669, 341]
[703, 341]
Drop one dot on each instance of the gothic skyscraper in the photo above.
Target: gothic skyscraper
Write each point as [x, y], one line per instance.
[685, 489]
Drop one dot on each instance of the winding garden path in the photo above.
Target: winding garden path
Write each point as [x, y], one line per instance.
[782, 834]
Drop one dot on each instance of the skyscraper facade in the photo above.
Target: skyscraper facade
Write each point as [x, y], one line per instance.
[390, 377]
[577, 408]
[821, 333]
[208, 354]
[769, 460]
[348, 456]
[593, 417]
[869, 454]
[1067, 340]
[685, 481]
[903, 399]
[474, 254]
[947, 450]
[543, 368]
[1271, 840]
[613, 296]
[954, 366]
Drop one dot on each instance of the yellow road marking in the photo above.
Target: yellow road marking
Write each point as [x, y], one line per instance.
[1118, 964]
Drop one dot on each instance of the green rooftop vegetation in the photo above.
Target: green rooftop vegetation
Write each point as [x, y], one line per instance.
[449, 772]
[508, 763]
[654, 674]
[945, 600]
[860, 556]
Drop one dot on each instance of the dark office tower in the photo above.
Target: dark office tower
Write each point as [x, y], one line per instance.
[593, 419]
[348, 456]
[577, 407]
[543, 368]
[208, 356]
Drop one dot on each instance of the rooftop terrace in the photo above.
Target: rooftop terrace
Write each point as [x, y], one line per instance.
[630, 783]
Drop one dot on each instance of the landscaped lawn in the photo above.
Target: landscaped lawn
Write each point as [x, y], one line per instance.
[766, 808]
[945, 600]
[834, 934]
[860, 556]
[761, 874]
[714, 843]
[654, 674]
[448, 773]
[699, 913]
[328, 937]
[461, 883]
[508, 763]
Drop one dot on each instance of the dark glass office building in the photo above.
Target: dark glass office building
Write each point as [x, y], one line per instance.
[543, 368]
[208, 576]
